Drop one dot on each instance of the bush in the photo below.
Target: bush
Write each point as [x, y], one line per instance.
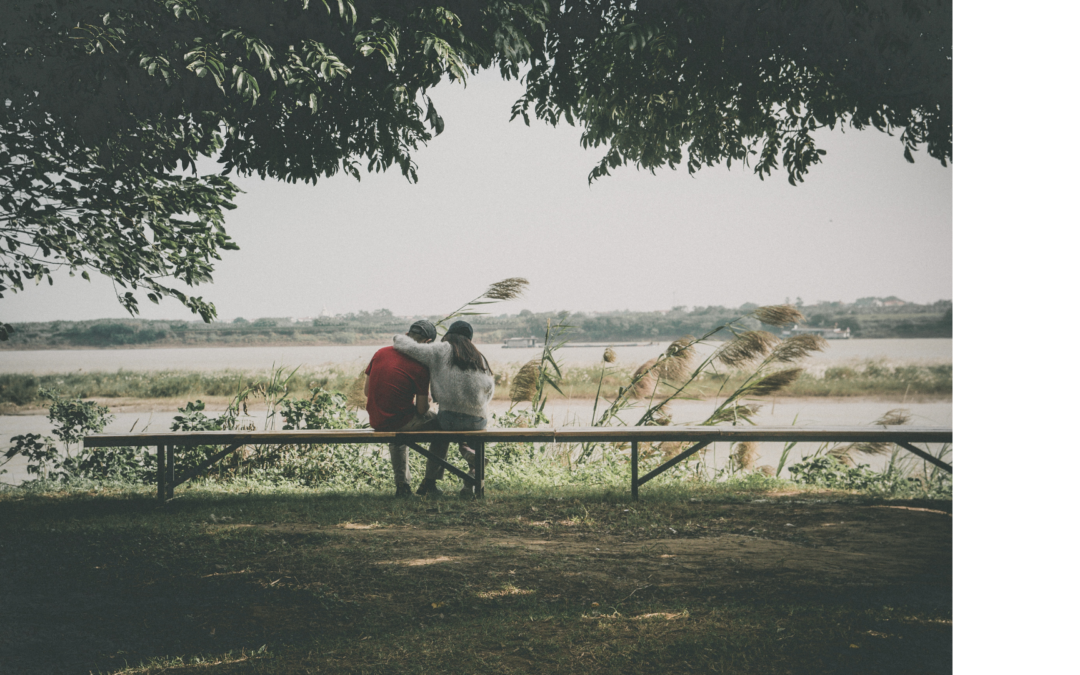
[72, 420]
[827, 471]
[18, 389]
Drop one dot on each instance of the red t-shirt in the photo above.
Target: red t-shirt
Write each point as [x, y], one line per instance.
[393, 380]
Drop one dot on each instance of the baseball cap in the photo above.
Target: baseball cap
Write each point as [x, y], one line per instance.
[461, 328]
[424, 328]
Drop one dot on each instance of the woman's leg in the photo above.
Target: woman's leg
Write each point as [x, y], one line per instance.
[472, 423]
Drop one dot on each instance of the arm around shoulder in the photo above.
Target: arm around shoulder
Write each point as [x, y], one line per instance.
[424, 353]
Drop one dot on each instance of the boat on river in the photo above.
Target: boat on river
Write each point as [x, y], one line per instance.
[834, 333]
[527, 342]
[522, 342]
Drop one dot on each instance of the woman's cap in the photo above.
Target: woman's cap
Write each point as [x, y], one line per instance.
[461, 328]
[424, 328]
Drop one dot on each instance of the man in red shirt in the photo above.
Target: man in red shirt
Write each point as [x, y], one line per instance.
[397, 399]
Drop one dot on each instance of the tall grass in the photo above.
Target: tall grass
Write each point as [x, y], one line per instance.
[867, 378]
[21, 389]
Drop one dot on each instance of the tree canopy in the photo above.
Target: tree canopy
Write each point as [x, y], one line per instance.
[107, 103]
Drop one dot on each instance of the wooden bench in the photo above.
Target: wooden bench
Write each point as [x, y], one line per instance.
[699, 436]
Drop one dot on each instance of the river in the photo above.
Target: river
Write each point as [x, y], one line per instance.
[40, 362]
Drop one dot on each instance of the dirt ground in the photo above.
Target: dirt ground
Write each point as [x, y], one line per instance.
[783, 584]
[837, 542]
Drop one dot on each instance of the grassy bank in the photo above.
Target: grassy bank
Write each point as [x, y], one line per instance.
[243, 579]
[870, 378]
[21, 389]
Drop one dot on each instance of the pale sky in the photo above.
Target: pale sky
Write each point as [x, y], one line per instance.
[498, 199]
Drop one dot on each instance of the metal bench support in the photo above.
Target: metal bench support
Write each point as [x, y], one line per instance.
[170, 471]
[161, 473]
[672, 462]
[480, 461]
[925, 455]
[469, 480]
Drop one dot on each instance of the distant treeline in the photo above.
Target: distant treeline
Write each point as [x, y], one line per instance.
[867, 318]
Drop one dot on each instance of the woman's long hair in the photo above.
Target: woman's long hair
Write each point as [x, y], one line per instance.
[465, 355]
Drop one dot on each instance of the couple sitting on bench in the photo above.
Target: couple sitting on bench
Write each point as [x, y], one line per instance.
[397, 395]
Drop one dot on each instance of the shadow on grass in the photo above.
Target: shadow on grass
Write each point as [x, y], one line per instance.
[100, 583]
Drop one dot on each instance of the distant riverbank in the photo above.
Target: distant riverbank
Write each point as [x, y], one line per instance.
[888, 319]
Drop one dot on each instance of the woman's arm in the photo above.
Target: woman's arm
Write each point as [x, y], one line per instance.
[426, 354]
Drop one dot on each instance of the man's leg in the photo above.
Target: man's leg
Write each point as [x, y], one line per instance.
[399, 452]
[399, 460]
[432, 470]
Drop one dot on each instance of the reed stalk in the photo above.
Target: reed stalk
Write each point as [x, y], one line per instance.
[747, 346]
[549, 364]
[507, 289]
[787, 449]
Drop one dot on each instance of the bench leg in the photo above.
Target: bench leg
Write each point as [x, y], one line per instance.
[633, 470]
[479, 489]
[170, 470]
[161, 473]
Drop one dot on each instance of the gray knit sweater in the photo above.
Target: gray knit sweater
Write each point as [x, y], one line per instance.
[456, 390]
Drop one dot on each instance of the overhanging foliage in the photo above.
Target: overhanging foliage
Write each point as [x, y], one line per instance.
[104, 102]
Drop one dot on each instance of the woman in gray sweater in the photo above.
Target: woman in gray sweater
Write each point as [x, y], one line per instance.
[461, 383]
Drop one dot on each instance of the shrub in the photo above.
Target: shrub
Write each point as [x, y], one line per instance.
[827, 471]
[18, 389]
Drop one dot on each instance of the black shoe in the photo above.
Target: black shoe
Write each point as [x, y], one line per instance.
[404, 491]
[428, 488]
[469, 490]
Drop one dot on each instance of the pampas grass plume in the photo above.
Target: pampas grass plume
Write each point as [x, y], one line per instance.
[746, 455]
[747, 347]
[799, 347]
[778, 315]
[773, 382]
[644, 386]
[523, 386]
[728, 414]
[677, 359]
[507, 289]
